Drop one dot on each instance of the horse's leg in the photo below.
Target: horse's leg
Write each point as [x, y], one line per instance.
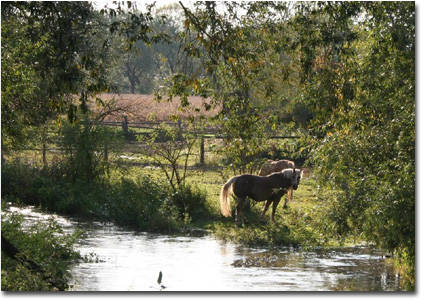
[239, 211]
[275, 203]
[266, 207]
[288, 197]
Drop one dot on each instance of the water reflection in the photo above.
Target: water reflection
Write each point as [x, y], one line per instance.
[353, 269]
[129, 261]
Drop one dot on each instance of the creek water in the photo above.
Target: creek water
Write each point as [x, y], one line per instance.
[123, 260]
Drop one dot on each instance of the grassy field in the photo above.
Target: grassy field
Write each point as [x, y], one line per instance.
[141, 107]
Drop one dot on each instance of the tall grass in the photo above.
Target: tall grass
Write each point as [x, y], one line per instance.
[142, 203]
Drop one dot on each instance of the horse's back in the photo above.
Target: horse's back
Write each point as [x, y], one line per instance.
[247, 180]
[244, 183]
[271, 166]
[253, 186]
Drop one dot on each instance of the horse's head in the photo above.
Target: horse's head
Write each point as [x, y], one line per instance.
[294, 175]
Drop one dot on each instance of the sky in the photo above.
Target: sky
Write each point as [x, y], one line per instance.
[140, 4]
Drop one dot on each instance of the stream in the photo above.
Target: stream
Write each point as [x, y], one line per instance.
[123, 260]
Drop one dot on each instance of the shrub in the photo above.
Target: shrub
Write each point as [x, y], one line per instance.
[86, 146]
[43, 244]
[17, 180]
[256, 235]
[190, 202]
[142, 204]
[170, 148]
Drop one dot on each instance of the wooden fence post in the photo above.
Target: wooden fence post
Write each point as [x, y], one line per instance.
[44, 155]
[44, 151]
[202, 150]
[124, 125]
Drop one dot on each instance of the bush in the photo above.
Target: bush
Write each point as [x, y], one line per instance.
[43, 244]
[143, 205]
[297, 151]
[293, 229]
[86, 146]
[17, 180]
[191, 202]
[256, 235]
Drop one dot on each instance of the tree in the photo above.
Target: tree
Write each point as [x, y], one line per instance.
[364, 120]
[143, 65]
[170, 147]
[55, 52]
[47, 56]
[132, 69]
[233, 72]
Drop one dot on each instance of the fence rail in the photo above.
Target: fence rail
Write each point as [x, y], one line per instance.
[209, 133]
[212, 132]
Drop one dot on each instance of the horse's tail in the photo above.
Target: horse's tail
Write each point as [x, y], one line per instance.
[225, 193]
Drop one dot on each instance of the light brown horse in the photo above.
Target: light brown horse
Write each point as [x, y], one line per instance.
[271, 166]
[258, 188]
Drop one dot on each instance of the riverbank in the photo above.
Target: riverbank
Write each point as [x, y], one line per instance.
[127, 260]
[36, 256]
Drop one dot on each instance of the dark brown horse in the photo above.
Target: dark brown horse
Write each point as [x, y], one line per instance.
[258, 188]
